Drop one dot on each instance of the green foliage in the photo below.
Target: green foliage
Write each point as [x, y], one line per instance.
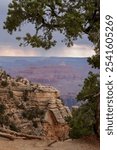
[4, 83]
[82, 122]
[25, 95]
[91, 87]
[10, 93]
[4, 120]
[94, 61]
[2, 109]
[70, 18]
[35, 124]
[14, 127]
[20, 106]
[33, 113]
[18, 78]
[3, 74]
[13, 84]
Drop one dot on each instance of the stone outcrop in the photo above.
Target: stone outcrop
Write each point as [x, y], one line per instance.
[32, 108]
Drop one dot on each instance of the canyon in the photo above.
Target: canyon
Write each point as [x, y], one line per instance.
[65, 74]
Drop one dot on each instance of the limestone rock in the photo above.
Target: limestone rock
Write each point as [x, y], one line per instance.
[32, 108]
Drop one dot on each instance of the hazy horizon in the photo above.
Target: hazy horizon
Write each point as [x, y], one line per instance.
[42, 57]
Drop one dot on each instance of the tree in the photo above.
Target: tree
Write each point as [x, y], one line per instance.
[71, 18]
[90, 88]
[85, 120]
[82, 123]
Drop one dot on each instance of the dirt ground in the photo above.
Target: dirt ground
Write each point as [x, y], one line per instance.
[87, 143]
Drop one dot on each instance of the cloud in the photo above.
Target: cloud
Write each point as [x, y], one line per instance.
[11, 51]
[79, 51]
[74, 51]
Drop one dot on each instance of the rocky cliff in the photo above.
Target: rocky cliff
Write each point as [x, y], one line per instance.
[32, 109]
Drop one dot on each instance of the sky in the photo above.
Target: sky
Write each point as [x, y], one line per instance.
[9, 46]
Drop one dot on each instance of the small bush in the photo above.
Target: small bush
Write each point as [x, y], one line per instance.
[18, 78]
[20, 106]
[33, 113]
[35, 125]
[82, 123]
[4, 83]
[14, 127]
[25, 95]
[2, 108]
[11, 94]
[4, 120]
[13, 84]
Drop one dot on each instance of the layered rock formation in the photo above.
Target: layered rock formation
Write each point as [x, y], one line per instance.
[32, 108]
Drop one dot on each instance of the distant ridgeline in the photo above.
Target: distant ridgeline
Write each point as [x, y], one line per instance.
[66, 74]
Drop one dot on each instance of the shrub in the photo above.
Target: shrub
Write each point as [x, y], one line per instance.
[35, 124]
[25, 95]
[4, 120]
[82, 123]
[11, 94]
[14, 127]
[85, 120]
[18, 78]
[2, 108]
[33, 113]
[4, 83]
[13, 84]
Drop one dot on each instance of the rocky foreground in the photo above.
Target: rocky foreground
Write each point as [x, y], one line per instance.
[31, 109]
[86, 143]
